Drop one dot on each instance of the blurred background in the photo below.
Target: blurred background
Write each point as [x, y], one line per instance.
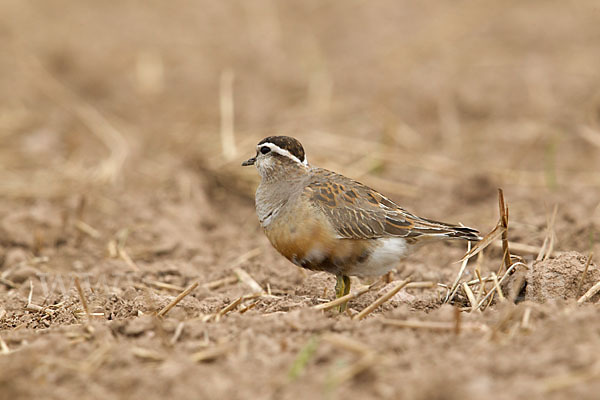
[435, 103]
[123, 125]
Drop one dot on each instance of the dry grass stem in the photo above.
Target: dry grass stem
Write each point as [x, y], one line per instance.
[552, 234]
[497, 287]
[211, 353]
[485, 242]
[111, 247]
[3, 346]
[230, 306]
[2, 313]
[490, 300]
[246, 257]
[548, 244]
[450, 294]
[35, 307]
[382, 299]
[590, 293]
[226, 107]
[125, 257]
[248, 280]
[434, 325]
[585, 270]
[506, 275]
[504, 224]
[163, 285]
[470, 296]
[346, 298]
[481, 290]
[49, 310]
[517, 286]
[346, 343]
[589, 134]
[420, 285]
[177, 333]
[516, 247]
[525, 324]
[220, 282]
[177, 299]
[504, 255]
[87, 229]
[147, 354]
[457, 320]
[30, 295]
[477, 270]
[249, 306]
[84, 303]
[10, 284]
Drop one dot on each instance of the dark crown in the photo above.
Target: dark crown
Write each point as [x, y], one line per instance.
[286, 143]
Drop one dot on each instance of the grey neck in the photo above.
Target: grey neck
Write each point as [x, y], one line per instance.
[272, 195]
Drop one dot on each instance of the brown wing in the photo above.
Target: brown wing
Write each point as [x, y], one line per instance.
[359, 212]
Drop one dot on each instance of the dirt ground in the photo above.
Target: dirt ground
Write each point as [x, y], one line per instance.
[118, 173]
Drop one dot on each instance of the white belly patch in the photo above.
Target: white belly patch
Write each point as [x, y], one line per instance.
[383, 258]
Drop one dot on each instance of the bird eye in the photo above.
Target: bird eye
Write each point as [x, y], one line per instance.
[265, 149]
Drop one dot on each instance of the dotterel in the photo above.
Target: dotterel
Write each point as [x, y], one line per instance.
[324, 221]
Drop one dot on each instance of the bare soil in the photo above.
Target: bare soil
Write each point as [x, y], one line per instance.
[116, 174]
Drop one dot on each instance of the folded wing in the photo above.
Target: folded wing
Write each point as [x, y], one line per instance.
[359, 212]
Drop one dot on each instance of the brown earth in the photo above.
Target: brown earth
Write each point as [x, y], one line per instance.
[113, 171]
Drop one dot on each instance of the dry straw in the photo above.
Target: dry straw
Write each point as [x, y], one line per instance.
[434, 325]
[548, 244]
[585, 270]
[212, 352]
[245, 277]
[590, 293]
[164, 285]
[470, 296]
[504, 224]
[84, 303]
[508, 266]
[177, 299]
[346, 298]
[369, 309]
[450, 294]
[226, 106]
[228, 280]
[3, 347]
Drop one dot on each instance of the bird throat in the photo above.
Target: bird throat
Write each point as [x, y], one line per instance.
[273, 195]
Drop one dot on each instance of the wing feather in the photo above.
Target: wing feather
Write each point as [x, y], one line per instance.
[358, 212]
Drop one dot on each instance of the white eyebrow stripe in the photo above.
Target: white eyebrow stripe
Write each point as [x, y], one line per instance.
[282, 152]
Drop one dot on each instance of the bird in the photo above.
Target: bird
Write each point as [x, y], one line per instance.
[323, 221]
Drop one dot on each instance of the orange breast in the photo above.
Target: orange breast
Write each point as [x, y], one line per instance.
[308, 240]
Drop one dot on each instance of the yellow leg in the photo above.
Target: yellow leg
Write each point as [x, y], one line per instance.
[342, 288]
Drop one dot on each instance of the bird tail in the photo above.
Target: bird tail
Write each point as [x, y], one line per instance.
[435, 229]
[465, 233]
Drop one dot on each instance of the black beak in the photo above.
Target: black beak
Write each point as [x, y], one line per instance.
[249, 161]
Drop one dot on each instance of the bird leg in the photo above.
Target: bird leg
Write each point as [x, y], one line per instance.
[342, 288]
